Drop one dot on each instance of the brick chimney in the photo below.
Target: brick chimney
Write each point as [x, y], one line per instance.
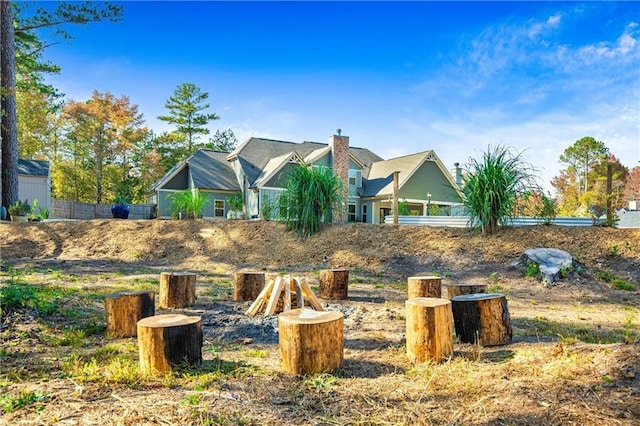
[340, 156]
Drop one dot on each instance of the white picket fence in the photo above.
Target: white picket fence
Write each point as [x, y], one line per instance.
[465, 221]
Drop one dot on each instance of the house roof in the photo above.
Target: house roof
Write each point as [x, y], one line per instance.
[208, 170]
[628, 218]
[274, 165]
[256, 153]
[33, 167]
[380, 180]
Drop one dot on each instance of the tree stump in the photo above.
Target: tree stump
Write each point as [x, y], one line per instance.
[429, 329]
[425, 286]
[334, 283]
[177, 290]
[482, 318]
[165, 341]
[247, 285]
[311, 341]
[124, 310]
[452, 290]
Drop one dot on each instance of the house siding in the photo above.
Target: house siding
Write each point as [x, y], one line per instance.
[279, 180]
[429, 178]
[180, 181]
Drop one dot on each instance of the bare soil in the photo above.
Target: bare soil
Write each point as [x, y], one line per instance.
[574, 358]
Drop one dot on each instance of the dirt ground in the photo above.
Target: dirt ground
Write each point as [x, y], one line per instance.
[543, 376]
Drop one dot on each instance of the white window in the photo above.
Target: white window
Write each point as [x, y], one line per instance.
[218, 208]
[355, 178]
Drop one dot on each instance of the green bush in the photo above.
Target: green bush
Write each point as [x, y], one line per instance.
[189, 202]
[267, 209]
[492, 186]
[311, 196]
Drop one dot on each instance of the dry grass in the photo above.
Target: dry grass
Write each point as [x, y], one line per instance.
[573, 360]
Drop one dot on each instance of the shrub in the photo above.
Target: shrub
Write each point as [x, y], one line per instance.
[190, 202]
[235, 201]
[403, 209]
[311, 196]
[267, 210]
[492, 186]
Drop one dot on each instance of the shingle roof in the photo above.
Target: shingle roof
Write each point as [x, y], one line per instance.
[628, 219]
[33, 167]
[255, 153]
[208, 169]
[211, 170]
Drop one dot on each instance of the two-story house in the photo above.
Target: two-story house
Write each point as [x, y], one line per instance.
[259, 169]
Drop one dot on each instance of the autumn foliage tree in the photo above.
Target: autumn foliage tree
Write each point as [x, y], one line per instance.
[632, 187]
[99, 136]
[581, 187]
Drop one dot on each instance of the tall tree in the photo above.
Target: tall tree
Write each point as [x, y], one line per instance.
[185, 108]
[8, 124]
[224, 141]
[18, 35]
[106, 127]
[581, 157]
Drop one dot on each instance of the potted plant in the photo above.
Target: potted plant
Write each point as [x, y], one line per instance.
[19, 211]
[120, 208]
[235, 206]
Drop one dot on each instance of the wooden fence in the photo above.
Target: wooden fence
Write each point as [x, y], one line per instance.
[63, 209]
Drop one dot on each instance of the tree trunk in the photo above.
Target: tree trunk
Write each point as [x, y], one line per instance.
[124, 310]
[450, 291]
[311, 341]
[165, 341]
[334, 283]
[425, 286]
[482, 318]
[429, 329]
[177, 290]
[8, 120]
[247, 285]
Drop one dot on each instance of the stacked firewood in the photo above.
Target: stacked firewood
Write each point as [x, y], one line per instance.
[278, 294]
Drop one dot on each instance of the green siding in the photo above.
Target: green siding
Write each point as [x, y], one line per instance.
[179, 181]
[429, 178]
[281, 178]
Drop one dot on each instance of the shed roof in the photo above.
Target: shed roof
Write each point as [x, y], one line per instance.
[33, 167]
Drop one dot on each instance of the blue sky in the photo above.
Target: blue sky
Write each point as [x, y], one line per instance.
[397, 78]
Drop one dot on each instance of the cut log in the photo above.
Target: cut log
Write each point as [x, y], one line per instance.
[452, 290]
[423, 286]
[275, 296]
[262, 298]
[298, 290]
[334, 283]
[310, 295]
[247, 285]
[177, 290]
[124, 310]
[310, 341]
[482, 318]
[429, 329]
[165, 341]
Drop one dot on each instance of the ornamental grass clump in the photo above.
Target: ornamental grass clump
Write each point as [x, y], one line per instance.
[492, 186]
[312, 196]
[191, 202]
